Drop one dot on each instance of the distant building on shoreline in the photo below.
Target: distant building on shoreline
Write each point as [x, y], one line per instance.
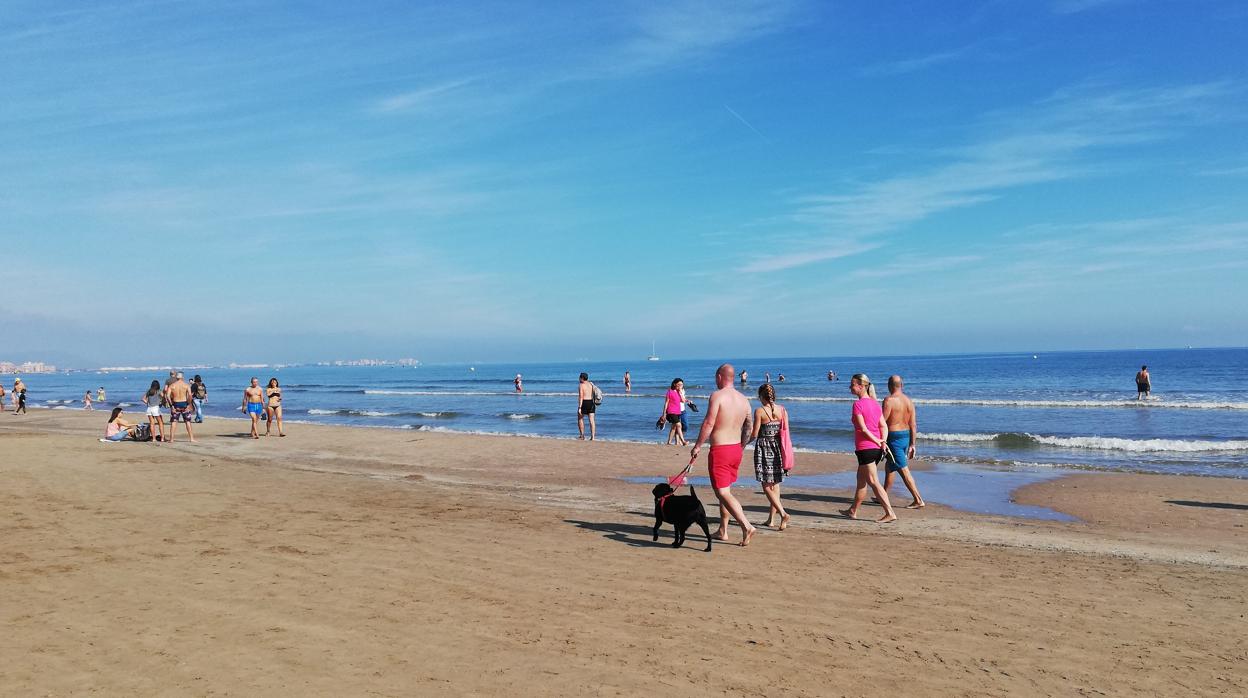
[26, 367]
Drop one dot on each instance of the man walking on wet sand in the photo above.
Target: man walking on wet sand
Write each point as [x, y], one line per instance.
[727, 426]
[586, 407]
[903, 431]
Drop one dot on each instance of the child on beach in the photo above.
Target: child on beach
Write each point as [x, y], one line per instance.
[86, 401]
[21, 402]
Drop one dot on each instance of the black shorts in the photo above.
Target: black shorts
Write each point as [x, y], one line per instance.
[868, 455]
[673, 418]
[1143, 387]
[588, 407]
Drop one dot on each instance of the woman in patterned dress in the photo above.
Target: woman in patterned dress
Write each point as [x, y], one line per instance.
[768, 456]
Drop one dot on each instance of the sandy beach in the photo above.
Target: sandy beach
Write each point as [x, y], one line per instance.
[350, 561]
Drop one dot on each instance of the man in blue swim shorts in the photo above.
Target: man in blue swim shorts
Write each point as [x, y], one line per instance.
[903, 429]
[253, 405]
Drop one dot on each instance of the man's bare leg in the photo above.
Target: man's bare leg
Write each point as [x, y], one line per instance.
[580, 426]
[190, 433]
[726, 500]
[593, 427]
[255, 426]
[908, 480]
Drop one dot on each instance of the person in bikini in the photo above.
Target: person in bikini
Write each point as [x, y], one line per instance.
[180, 406]
[586, 408]
[273, 395]
[628, 382]
[903, 431]
[253, 405]
[728, 427]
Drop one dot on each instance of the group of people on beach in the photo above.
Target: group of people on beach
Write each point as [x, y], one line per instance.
[185, 402]
[17, 398]
[883, 433]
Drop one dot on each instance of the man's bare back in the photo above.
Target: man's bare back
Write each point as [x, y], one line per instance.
[729, 414]
[898, 411]
[180, 391]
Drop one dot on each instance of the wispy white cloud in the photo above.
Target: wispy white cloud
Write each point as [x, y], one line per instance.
[1070, 7]
[911, 65]
[1053, 140]
[422, 99]
[674, 32]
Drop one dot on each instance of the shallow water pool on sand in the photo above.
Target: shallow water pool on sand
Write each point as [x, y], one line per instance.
[976, 489]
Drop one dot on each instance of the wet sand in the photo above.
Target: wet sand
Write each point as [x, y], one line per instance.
[344, 561]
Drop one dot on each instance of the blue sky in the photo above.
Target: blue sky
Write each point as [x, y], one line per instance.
[184, 182]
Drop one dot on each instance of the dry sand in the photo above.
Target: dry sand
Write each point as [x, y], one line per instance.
[344, 561]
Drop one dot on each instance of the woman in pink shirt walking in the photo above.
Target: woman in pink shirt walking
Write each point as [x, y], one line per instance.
[870, 436]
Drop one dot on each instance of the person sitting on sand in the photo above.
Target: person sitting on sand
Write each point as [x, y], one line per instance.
[769, 453]
[903, 431]
[119, 429]
[727, 427]
[253, 405]
[870, 433]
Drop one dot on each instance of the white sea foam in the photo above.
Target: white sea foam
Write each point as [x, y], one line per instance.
[1102, 443]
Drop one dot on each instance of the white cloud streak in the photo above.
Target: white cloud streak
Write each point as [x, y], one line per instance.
[1057, 139]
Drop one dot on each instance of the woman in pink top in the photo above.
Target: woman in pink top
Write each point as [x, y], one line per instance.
[870, 436]
[672, 404]
[118, 429]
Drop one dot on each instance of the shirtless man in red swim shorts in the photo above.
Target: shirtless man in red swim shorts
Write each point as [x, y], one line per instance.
[727, 426]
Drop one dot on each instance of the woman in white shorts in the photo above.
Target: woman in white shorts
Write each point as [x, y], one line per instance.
[155, 421]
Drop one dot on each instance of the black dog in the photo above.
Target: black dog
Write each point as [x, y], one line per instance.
[681, 511]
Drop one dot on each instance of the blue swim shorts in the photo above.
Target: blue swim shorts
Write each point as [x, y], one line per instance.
[899, 444]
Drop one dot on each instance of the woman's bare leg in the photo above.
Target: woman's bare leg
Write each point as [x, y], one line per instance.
[278, 412]
[860, 493]
[874, 482]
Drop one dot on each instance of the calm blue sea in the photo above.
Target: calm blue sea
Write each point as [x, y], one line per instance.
[1074, 409]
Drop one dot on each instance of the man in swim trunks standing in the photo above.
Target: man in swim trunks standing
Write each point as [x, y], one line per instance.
[727, 426]
[253, 405]
[903, 431]
[586, 408]
[1143, 384]
[180, 406]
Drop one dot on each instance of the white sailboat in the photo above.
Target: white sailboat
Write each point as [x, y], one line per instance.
[653, 356]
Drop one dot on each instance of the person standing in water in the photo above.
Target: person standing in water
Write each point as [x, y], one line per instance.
[253, 405]
[727, 427]
[769, 453]
[870, 434]
[745, 377]
[628, 383]
[1143, 384]
[903, 432]
[586, 407]
[99, 394]
[519, 383]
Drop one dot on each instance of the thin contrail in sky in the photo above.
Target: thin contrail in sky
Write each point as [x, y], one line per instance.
[747, 124]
